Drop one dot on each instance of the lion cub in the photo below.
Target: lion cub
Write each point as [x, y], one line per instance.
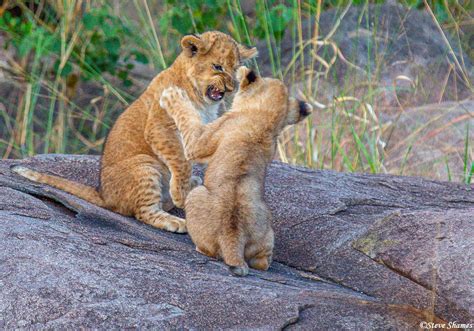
[144, 171]
[227, 217]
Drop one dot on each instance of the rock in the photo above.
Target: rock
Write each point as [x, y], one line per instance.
[428, 247]
[381, 43]
[352, 251]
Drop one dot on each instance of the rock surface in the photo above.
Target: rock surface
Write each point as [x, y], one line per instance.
[352, 251]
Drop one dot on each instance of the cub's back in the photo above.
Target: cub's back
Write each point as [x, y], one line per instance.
[126, 138]
[244, 150]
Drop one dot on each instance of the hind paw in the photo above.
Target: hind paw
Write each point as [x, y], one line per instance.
[240, 271]
[262, 263]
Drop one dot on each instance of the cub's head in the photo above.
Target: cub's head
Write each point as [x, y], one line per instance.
[211, 60]
[269, 98]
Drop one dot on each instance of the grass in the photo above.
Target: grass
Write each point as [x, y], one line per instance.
[73, 76]
[468, 165]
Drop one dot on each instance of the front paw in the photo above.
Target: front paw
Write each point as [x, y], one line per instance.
[178, 191]
[172, 96]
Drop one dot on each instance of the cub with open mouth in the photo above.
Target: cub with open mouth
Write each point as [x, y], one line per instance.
[144, 171]
[227, 217]
[214, 93]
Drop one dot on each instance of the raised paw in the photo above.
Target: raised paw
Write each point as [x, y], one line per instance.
[172, 96]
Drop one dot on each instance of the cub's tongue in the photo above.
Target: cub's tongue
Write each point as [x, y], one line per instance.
[216, 94]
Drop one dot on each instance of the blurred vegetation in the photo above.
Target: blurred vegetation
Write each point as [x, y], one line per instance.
[56, 47]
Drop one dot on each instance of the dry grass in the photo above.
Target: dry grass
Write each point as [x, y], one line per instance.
[53, 112]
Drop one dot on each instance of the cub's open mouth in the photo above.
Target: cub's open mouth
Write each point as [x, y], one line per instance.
[214, 93]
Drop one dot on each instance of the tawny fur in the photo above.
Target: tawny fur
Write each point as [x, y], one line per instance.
[144, 171]
[227, 216]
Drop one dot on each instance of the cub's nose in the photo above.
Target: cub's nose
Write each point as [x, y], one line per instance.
[304, 108]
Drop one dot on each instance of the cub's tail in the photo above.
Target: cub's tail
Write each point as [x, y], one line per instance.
[84, 192]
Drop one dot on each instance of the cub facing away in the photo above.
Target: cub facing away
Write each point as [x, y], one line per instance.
[143, 169]
[227, 217]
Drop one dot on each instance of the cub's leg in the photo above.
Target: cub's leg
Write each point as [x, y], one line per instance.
[261, 253]
[203, 220]
[157, 217]
[166, 144]
[200, 141]
[232, 247]
[138, 187]
[149, 207]
[212, 231]
[259, 249]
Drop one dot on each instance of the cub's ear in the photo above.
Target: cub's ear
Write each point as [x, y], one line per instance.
[193, 44]
[247, 53]
[246, 76]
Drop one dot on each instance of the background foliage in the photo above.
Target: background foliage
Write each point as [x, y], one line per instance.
[78, 63]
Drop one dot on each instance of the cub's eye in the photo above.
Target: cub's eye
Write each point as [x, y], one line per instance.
[217, 67]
